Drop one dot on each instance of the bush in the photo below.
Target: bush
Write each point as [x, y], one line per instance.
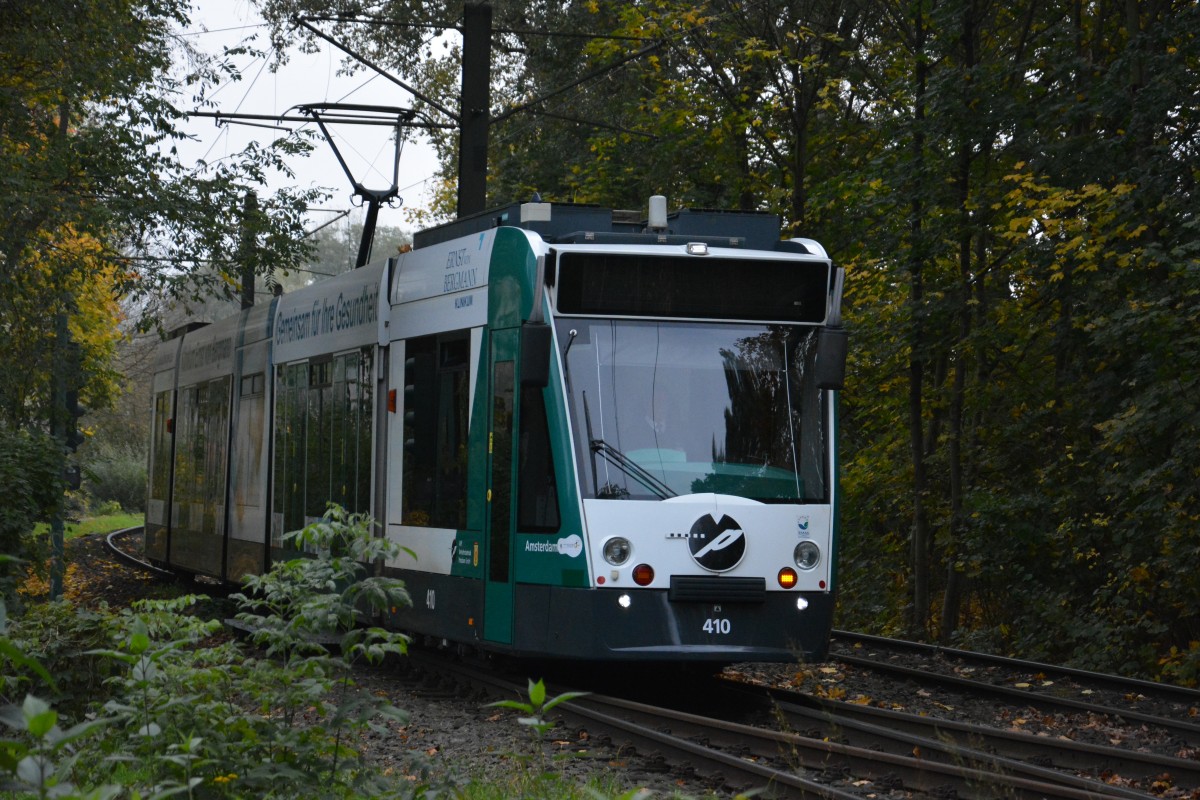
[195, 715]
[116, 473]
[30, 472]
[59, 637]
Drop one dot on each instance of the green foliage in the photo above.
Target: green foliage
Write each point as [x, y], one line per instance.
[309, 606]
[56, 639]
[535, 710]
[307, 613]
[100, 205]
[1014, 424]
[191, 714]
[30, 471]
[40, 757]
[115, 472]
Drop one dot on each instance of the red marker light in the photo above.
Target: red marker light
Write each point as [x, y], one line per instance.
[643, 574]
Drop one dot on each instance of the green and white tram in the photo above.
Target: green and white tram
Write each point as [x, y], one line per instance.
[596, 438]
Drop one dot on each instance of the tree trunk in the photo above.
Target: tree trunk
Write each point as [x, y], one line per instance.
[920, 550]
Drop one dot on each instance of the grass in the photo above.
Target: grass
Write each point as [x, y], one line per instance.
[103, 523]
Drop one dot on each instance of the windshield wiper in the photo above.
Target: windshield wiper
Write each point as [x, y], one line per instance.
[619, 460]
[630, 467]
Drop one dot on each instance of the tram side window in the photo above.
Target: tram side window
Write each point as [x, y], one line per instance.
[188, 454]
[160, 477]
[436, 408]
[214, 410]
[350, 469]
[251, 411]
[290, 419]
[318, 442]
[203, 433]
[323, 421]
[537, 501]
[361, 399]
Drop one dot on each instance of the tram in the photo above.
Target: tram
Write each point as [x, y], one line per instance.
[597, 437]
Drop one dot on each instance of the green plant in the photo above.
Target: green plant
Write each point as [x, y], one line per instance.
[30, 472]
[106, 508]
[310, 612]
[535, 714]
[204, 717]
[189, 713]
[57, 637]
[40, 758]
[116, 473]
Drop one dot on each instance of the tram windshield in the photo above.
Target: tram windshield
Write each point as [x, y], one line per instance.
[663, 409]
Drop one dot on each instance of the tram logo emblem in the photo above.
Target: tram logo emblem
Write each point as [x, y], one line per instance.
[717, 545]
[570, 546]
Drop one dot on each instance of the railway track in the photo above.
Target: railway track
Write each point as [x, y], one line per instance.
[788, 744]
[848, 643]
[1042, 759]
[1173, 710]
[116, 544]
[795, 744]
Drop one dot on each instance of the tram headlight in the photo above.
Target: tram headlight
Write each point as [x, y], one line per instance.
[807, 555]
[617, 550]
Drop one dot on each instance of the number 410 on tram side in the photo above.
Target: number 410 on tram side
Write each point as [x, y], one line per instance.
[596, 437]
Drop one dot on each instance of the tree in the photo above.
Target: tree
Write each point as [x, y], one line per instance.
[96, 199]
[98, 206]
[1033, 236]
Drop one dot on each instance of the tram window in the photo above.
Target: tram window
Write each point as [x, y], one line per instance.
[253, 384]
[436, 410]
[350, 416]
[342, 444]
[251, 430]
[363, 396]
[215, 413]
[290, 427]
[537, 501]
[318, 438]
[203, 435]
[323, 420]
[161, 475]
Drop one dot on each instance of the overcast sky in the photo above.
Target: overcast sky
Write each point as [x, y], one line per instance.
[307, 78]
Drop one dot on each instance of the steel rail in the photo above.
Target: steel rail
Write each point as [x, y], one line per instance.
[705, 760]
[1190, 732]
[751, 757]
[984, 781]
[129, 558]
[1183, 694]
[1062, 753]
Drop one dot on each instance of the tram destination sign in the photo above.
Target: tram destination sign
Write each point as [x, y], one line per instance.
[648, 285]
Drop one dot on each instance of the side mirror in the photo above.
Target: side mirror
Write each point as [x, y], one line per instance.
[831, 358]
[535, 354]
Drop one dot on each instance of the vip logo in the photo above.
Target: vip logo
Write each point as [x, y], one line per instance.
[717, 545]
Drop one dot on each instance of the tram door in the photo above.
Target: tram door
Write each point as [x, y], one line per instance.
[498, 591]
